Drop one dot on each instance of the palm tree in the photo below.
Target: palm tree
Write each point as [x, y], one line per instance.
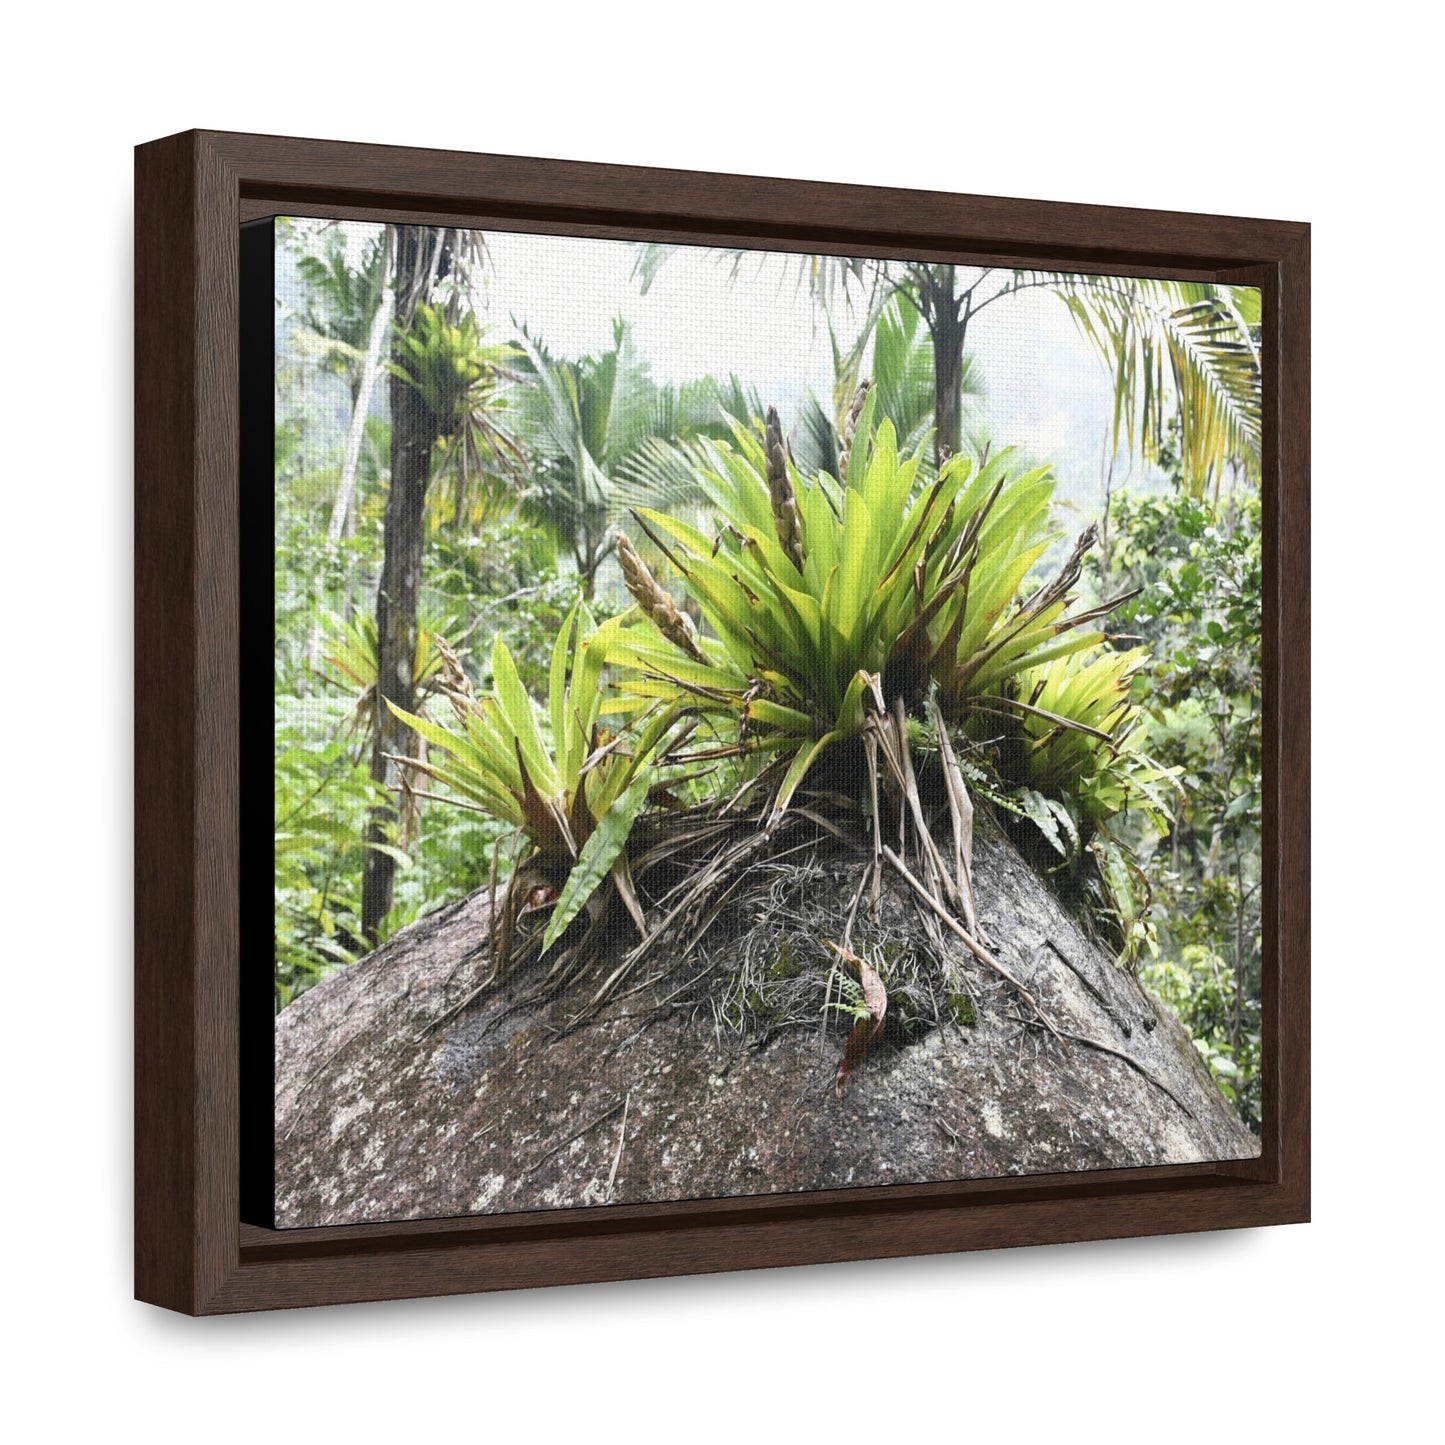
[344, 322]
[1195, 339]
[607, 436]
[342, 302]
[901, 377]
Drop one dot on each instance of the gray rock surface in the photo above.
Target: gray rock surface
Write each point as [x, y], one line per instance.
[378, 1119]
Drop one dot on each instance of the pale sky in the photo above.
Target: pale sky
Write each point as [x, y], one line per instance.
[1047, 392]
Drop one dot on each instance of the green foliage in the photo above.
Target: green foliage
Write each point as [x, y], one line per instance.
[501, 579]
[1053, 818]
[1086, 779]
[1126, 898]
[604, 435]
[1174, 349]
[902, 373]
[493, 573]
[1084, 738]
[901, 365]
[964, 1012]
[819, 591]
[599, 853]
[548, 773]
[850, 1002]
[341, 299]
[351, 656]
[1200, 565]
[466, 385]
[498, 755]
[1093, 692]
[322, 797]
[1201, 989]
[444, 361]
[807, 600]
[798, 638]
[586, 416]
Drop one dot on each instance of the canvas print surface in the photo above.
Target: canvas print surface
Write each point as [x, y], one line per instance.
[753, 722]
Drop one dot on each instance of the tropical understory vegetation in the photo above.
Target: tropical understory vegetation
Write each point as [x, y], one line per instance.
[612, 647]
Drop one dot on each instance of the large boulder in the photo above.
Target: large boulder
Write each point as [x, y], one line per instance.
[383, 1114]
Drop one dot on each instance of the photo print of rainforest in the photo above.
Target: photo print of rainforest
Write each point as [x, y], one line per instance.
[753, 722]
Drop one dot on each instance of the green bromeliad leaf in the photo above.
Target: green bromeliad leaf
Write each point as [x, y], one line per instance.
[596, 859]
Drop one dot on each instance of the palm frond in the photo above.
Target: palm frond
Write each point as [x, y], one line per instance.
[816, 441]
[1186, 340]
[826, 277]
[662, 473]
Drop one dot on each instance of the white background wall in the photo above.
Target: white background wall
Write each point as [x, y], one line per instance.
[1246, 108]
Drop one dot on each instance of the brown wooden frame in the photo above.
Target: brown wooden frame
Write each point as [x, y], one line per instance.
[192, 1253]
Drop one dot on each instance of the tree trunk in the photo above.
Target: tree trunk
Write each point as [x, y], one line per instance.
[361, 387]
[414, 431]
[947, 331]
[360, 406]
[388, 1108]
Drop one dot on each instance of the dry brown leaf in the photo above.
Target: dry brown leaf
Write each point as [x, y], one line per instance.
[866, 1030]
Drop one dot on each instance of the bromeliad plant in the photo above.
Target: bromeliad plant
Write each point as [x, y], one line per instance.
[1083, 765]
[351, 653]
[823, 594]
[464, 384]
[1084, 738]
[446, 364]
[572, 792]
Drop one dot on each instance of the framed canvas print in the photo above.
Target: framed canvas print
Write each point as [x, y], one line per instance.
[728, 722]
